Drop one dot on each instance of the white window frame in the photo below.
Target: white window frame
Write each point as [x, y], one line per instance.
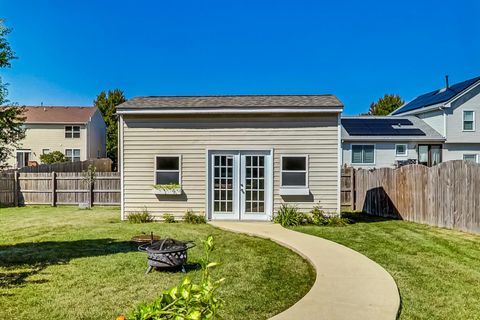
[470, 154]
[29, 151]
[46, 149]
[473, 121]
[306, 171]
[364, 163]
[167, 156]
[401, 154]
[72, 131]
[79, 152]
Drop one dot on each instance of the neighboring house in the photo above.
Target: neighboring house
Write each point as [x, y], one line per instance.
[230, 157]
[444, 123]
[77, 132]
[369, 142]
[454, 112]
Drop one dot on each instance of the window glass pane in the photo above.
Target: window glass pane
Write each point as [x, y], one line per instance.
[423, 154]
[368, 154]
[468, 115]
[435, 152]
[294, 179]
[294, 163]
[401, 149]
[357, 154]
[468, 125]
[167, 177]
[76, 152]
[470, 157]
[168, 163]
[68, 152]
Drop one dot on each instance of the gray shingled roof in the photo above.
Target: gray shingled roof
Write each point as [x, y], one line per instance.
[430, 133]
[231, 101]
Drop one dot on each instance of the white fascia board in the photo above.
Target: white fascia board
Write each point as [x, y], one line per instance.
[174, 111]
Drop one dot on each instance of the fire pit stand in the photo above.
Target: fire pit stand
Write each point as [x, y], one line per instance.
[166, 253]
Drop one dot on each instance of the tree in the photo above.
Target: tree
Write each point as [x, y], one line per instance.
[53, 157]
[106, 103]
[385, 105]
[11, 116]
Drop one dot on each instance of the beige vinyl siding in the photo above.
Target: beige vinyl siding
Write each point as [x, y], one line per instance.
[143, 138]
[50, 136]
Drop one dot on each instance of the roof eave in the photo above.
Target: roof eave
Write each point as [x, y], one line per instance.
[228, 110]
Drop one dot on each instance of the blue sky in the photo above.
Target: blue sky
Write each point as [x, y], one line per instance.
[358, 50]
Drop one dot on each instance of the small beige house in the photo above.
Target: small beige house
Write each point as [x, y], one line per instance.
[229, 157]
[78, 132]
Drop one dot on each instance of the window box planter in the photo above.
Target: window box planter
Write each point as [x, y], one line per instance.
[294, 191]
[167, 190]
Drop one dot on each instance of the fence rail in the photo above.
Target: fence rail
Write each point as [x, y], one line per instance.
[446, 195]
[101, 165]
[21, 188]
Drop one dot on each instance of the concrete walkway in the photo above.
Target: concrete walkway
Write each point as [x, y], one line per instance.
[348, 284]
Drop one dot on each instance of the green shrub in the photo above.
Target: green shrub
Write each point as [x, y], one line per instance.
[289, 216]
[192, 218]
[140, 217]
[318, 217]
[336, 221]
[188, 300]
[52, 157]
[168, 218]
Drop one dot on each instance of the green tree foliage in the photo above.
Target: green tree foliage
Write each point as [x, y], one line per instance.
[53, 157]
[11, 116]
[385, 105]
[106, 103]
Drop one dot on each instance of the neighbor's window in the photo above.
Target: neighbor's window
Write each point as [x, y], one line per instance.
[363, 154]
[23, 156]
[401, 150]
[167, 170]
[72, 155]
[470, 157]
[294, 171]
[72, 131]
[468, 120]
[45, 151]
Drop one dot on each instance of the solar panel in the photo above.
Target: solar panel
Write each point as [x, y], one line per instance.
[381, 127]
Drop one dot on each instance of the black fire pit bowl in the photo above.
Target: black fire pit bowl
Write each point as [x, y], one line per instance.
[166, 253]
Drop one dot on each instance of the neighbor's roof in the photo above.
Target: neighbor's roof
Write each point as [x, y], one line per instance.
[229, 102]
[437, 96]
[370, 128]
[41, 114]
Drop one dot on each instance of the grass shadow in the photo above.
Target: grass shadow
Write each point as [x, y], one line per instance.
[362, 217]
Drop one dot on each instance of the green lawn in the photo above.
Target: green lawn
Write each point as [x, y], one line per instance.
[66, 263]
[437, 270]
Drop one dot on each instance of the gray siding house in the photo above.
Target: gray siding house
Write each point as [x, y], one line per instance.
[446, 124]
[229, 157]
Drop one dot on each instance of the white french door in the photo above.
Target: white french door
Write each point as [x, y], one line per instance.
[240, 185]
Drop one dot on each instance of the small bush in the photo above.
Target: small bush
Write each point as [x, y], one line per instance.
[168, 218]
[289, 216]
[192, 218]
[318, 217]
[335, 221]
[140, 217]
[187, 300]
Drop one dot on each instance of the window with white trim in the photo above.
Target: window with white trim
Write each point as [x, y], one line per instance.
[167, 170]
[72, 131]
[363, 154]
[294, 171]
[72, 155]
[468, 120]
[45, 151]
[23, 156]
[401, 150]
[470, 157]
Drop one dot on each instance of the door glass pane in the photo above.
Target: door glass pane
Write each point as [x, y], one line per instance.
[223, 184]
[254, 188]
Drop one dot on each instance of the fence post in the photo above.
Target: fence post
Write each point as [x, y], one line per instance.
[54, 187]
[15, 188]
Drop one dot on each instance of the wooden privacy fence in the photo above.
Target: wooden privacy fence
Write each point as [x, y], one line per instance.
[101, 165]
[446, 195]
[347, 183]
[58, 188]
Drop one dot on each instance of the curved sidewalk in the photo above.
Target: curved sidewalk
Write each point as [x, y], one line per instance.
[348, 284]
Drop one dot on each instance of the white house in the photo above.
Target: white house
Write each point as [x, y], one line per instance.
[437, 126]
[229, 157]
[77, 132]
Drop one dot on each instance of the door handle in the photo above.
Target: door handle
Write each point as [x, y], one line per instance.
[241, 188]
